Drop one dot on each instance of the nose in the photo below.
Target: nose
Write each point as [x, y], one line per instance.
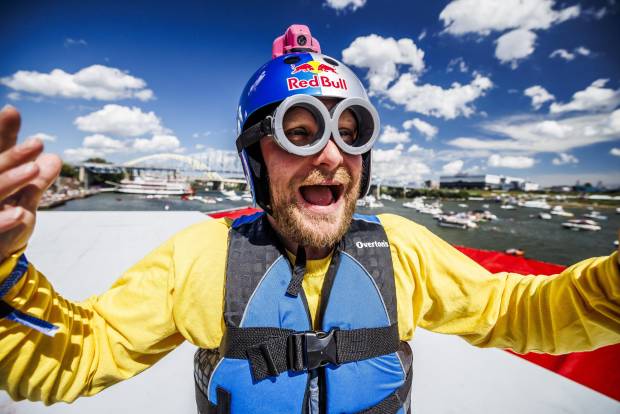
[329, 157]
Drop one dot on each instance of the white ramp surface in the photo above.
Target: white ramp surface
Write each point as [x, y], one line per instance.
[82, 253]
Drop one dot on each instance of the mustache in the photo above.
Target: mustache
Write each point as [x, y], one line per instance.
[317, 177]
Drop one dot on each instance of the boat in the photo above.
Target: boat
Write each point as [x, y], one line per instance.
[230, 195]
[542, 204]
[579, 224]
[544, 216]
[559, 211]
[595, 215]
[369, 201]
[507, 207]
[456, 222]
[386, 197]
[154, 186]
[515, 252]
[463, 205]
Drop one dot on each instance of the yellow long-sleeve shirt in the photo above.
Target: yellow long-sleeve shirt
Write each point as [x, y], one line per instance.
[176, 293]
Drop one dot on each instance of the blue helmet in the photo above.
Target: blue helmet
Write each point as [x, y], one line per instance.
[287, 75]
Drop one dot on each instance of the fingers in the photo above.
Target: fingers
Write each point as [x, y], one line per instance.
[10, 218]
[49, 168]
[15, 178]
[16, 155]
[9, 127]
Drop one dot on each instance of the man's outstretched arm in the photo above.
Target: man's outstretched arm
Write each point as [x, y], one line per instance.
[576, 310]
[50, 348]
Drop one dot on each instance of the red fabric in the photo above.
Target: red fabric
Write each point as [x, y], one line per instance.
[234, 213]
[599, 369]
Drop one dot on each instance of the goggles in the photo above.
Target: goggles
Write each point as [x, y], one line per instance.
[302, 125]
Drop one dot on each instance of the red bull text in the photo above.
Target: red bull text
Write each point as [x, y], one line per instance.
[317, 80]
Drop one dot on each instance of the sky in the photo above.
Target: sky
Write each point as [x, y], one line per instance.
[524, 88]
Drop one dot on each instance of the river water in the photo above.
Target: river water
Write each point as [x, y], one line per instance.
[521, 228]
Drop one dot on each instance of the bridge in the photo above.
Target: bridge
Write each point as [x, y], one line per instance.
[216, 168]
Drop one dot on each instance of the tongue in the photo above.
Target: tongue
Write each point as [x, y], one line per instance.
[317, 194]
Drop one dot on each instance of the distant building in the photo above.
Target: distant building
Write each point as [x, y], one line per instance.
[431, 184]
[486, 182]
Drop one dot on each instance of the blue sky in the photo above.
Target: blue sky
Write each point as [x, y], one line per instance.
[523, 88]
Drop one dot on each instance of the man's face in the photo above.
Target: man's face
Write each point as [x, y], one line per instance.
[312, 198]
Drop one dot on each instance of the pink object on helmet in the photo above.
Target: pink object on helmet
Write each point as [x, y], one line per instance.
[297, 38]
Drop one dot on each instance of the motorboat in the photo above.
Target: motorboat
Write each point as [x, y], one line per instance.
[369, 201]
[579, 224]
[507, 207]
[595, 215]
[457, 221]
[154, 186]
[559, 211]
[544, 216]
[542, 204]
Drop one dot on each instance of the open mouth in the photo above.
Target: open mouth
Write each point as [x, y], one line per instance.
[321, 194]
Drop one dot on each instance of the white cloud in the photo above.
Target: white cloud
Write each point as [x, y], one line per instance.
[200, 147]
[103, 143]
[80, 154]
[552, 129]
[583, 51]
[75, 42]
[158, 143]
[615, 151]
[96, 146]
[204, 134]
[594, 98]
[514, 46]
[389, 155]
[457, 62]
[485, 16]
[435, 101]
[44, 137]
[539, 95]
[564, 158]
[562, 53]
[395, 167]
[422, 35]
[120, 120]
[519, 17]
[343, 4]
[510, 161]
[381, 57]
[452, 168]
[429, 131]
[531, 135]
[93, 82]
[392, 135]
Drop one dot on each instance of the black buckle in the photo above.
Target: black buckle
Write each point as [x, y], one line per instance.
[317, 350]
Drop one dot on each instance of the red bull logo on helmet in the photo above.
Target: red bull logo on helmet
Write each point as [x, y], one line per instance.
[318, 80]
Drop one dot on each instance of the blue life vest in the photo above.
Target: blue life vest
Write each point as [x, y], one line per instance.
[271, 361]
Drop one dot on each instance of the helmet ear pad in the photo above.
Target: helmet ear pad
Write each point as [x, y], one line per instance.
[260, 177]
[366, 174]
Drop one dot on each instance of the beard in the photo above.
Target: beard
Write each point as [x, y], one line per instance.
[308, 228]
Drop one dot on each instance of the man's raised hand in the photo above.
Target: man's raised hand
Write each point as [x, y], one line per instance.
[25, 173]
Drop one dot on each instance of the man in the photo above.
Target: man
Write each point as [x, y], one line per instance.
[303, 308]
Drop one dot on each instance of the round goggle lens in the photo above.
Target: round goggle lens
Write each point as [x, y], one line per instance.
[302, 126]
[356, 126]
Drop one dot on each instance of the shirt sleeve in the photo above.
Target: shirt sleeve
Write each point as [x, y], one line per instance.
[107, 338]
[576, 310]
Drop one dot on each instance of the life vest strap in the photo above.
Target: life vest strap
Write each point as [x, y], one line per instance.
[271, 351]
